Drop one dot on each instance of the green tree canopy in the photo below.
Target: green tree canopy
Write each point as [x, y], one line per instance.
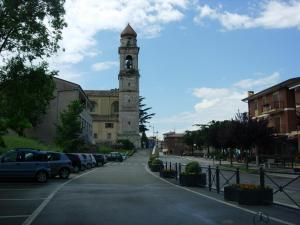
[25, 92]
[31, 28]
[69, 129]
[144, 117]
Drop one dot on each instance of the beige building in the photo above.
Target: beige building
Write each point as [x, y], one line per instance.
[105, 114]
[64, 93]
[116, 112]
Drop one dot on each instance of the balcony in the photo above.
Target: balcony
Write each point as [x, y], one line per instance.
[273, 107]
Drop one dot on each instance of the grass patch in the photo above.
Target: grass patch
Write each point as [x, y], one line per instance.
[12, 141]
[242, 168]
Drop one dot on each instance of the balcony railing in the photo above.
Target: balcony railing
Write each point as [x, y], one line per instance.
[273, 107]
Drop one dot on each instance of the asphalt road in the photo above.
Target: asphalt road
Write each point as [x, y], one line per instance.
[293, 189]
[124, 194]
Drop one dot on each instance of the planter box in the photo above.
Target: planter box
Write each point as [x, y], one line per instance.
[255, 196]
[230, 193]
[192, 180]
[167, 173]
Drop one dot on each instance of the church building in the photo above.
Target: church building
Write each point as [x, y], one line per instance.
[115, 113]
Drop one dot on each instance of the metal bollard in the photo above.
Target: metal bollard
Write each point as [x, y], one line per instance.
[176, 171]
[179, 170]
[170, 165]
[262, 177]
[209, 178]
[237, 181]
[218, 179]
[166, 165]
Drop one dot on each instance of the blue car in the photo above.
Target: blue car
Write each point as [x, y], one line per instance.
[60, 164]
[25, 163]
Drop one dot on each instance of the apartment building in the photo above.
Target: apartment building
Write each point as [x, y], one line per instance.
[280, 105]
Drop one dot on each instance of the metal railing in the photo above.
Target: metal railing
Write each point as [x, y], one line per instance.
[218, 178]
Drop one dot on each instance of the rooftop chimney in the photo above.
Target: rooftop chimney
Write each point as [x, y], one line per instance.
[250, 93]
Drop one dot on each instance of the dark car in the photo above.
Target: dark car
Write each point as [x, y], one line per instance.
[60, 164]
[77, 161]
[87, 159]
[114, 156]
[100, 159]
[25, 163]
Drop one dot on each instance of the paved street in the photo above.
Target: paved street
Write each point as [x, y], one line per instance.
[124, 194]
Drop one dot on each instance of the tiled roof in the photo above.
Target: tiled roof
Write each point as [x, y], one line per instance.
[128, 31]
[288, 83]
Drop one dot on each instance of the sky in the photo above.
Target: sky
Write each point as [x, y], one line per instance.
[197, 58]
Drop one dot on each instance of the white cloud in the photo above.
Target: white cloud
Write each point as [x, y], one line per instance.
[216, 103]
[104, 65]
[273, 14]
[85, 18]
[263, 82]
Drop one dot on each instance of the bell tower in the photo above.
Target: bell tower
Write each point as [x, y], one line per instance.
[129, 87]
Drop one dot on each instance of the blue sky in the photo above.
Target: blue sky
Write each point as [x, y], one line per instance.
[197, 59]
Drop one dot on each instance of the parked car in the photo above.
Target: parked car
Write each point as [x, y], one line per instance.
[94, 162]
[100, 159]
[25, 163]
[77, 161]
[114, 156]
[60, 164]
[87, 160]
[124, 155]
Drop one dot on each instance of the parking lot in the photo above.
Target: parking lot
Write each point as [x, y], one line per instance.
[19, 199]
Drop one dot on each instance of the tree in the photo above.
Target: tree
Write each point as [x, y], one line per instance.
[69, 130]
[25, 93]
[31, 28]
[251, 133]
[144, 117]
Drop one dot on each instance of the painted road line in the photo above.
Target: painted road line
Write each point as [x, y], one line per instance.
[217, 200]
[22, 199]
[15, 216]
[36, 212]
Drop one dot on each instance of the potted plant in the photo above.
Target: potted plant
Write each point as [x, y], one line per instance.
[156, 165]
[192, 175]
[168, 173]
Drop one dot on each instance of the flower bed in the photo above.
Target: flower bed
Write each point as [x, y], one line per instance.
[155, 165]
[248, 194]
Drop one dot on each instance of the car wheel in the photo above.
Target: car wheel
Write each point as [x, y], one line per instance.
[76, 169]
[64, 173]
[89, 166]
[41, 177]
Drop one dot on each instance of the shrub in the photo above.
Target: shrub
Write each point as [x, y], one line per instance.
[192, 167]
[157, 162]
[126, 144]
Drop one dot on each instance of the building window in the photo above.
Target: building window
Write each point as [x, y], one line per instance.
[115, 107]
[95, 135]
[109, 125]
[277, 124]
[94, 106]
[129, 123]
[128, 84]
[109, 136]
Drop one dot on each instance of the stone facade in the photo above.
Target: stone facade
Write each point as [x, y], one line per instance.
[116, 112]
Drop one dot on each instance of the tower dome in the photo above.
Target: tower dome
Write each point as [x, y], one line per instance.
[128, 32]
